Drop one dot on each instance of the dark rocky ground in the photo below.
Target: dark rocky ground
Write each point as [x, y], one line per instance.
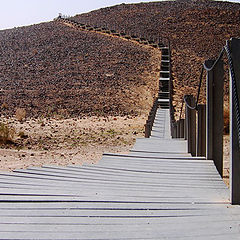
[197, 31]
[52, 69]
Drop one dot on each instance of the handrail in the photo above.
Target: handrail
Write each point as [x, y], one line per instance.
[208, 69]
[235, 93]
[198, 93]
[209, 136]
[156, 44]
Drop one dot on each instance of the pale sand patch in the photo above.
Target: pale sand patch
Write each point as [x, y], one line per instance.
[69, 141]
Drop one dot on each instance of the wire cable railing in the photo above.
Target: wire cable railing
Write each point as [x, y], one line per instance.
[209, 122]
[225, 49]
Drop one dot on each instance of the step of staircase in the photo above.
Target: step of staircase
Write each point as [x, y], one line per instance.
[166, 57]
[164, 74]
[165, 61]
[164, 68]
[164, 79]
[163, 95]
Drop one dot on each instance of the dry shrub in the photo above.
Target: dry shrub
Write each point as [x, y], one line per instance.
[21, 134]
[20, 114]
[6, 133]
[226, 121]
[4, 106]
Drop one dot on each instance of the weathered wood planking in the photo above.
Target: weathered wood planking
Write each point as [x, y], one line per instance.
[157, 191]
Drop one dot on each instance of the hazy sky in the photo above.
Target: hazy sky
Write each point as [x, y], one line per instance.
[14, 13]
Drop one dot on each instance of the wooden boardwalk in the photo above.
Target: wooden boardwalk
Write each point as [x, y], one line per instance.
[157, 191]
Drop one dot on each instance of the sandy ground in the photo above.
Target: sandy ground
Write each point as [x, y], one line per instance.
[74, 141]
[70, 141]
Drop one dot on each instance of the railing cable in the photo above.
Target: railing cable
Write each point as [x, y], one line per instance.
[200, 81]
[234, 87]
[226, 49]
[198, 93]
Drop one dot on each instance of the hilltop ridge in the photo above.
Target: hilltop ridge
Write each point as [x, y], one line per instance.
[51, 68]
[197, 30]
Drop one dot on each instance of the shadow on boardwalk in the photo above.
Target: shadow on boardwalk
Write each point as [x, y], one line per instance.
[157, 191]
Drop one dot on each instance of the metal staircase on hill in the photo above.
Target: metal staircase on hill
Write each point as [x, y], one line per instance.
[164, 81]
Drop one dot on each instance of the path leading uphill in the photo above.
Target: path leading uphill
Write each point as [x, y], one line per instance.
[157, 191]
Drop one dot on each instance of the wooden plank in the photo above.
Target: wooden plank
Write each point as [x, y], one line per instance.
[122, 180]
[161, 193]
[153, 178]
[74, 185]
[81, 172]
[115, 205]
[148, 233]
[123, 221]
[110, 228]
[139, 157]
[96, 169]
[109, 213]
[49, 198]
[112, 173]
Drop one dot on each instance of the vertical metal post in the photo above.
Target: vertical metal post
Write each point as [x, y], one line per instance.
[191, 126]
[185, 124]
[234, 141]
[147, 129]
[178, 129]
[214, 112]
[201, 130]
[174, 128]
[181, 132]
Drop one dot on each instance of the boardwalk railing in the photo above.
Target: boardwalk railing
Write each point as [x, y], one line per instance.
[164, 92]
[203, 124]
[158, 43]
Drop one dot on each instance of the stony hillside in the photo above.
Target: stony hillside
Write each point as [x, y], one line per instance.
[53, 69]
[197, 31]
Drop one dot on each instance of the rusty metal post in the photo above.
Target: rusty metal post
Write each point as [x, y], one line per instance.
[234, 141]
[178, 129]
[181, 131]
[214, 113]
[191, 126]
[174, 134]
[201, 130]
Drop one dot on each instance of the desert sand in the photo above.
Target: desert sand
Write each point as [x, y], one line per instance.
[68, 141]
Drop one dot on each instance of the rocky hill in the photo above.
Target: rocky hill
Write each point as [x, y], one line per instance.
[53, 69]
[197, 31]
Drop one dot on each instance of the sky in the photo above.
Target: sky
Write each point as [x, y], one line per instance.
[15, 13]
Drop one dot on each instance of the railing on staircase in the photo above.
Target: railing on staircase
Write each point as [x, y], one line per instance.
[103, 29]
[165, 88]
[203, 125]
[164, 91]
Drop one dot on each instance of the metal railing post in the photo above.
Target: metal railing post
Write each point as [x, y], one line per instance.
[181, 131]
[174, 134]
[185, 124]
[201, 130]
[234, 138]
[214, 114]
[191, 126]
[178, 128]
